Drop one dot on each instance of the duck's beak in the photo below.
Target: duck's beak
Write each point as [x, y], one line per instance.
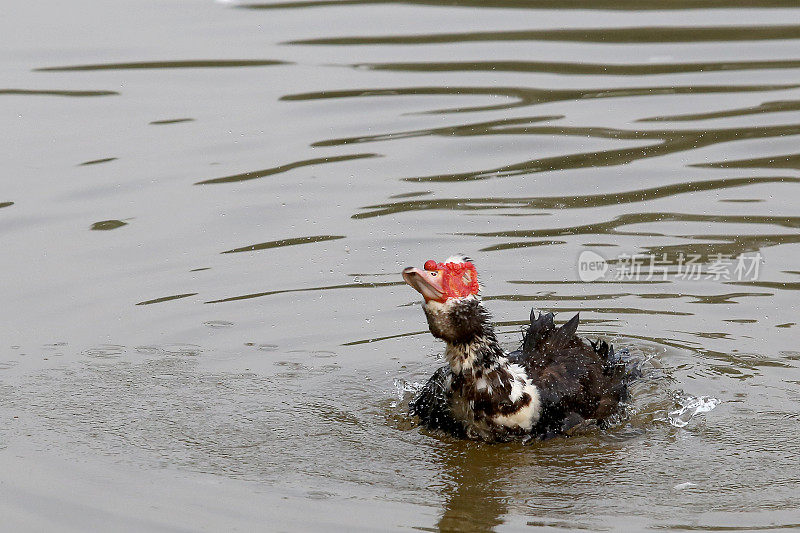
[428, 284]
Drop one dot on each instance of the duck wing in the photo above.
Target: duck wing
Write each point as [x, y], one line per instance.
[534, 337]
[576, 381]
[542, 335]
[431, 404]
[542, 339]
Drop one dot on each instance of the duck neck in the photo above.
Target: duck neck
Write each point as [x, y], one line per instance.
[466, 326]
[479, 353]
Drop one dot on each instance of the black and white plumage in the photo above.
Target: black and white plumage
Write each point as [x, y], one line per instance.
[553, 384]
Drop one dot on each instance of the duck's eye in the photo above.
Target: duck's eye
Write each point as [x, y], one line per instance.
[434, 274]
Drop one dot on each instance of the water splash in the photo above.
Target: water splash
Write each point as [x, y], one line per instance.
[690, 406]
[403, 387]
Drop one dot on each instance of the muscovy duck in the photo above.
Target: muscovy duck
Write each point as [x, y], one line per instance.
[555, 383]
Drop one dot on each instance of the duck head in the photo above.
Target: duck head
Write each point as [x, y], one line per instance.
[451, 301]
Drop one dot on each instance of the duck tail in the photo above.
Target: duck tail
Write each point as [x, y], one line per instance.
[539, 330]
[565, 333]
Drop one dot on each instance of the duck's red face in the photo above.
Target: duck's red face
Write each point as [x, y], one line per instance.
[440, 282]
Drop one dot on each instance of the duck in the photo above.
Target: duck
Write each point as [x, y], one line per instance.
[554, 384]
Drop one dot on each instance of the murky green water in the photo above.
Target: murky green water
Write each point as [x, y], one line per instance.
[205, 209]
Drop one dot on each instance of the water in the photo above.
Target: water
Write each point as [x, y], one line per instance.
[206, 207]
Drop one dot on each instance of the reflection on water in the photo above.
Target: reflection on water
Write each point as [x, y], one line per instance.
[216, 328]
[35, 92]
[472, 476]
[780, 161]
[245, 176]
[568, 202]
[528, 96]
[766, 107]
[105, 225]
[97, 161]
[604, 69]
[167, 298]
[284, 242]
[646, 34]
[170, 121]
[200, 63]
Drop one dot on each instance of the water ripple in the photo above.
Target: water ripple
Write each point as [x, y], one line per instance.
[780, 106]
[791, 161]
[147, 65]
[528, 96]
[284, 242]
[41, 92]
[636, 34]
[310, 289]
[727, 244]
[255, 174]
[566, 202]
[167, 298]
[601, 69]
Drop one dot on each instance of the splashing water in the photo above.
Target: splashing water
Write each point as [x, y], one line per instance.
[402, 387]
[690, 406]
